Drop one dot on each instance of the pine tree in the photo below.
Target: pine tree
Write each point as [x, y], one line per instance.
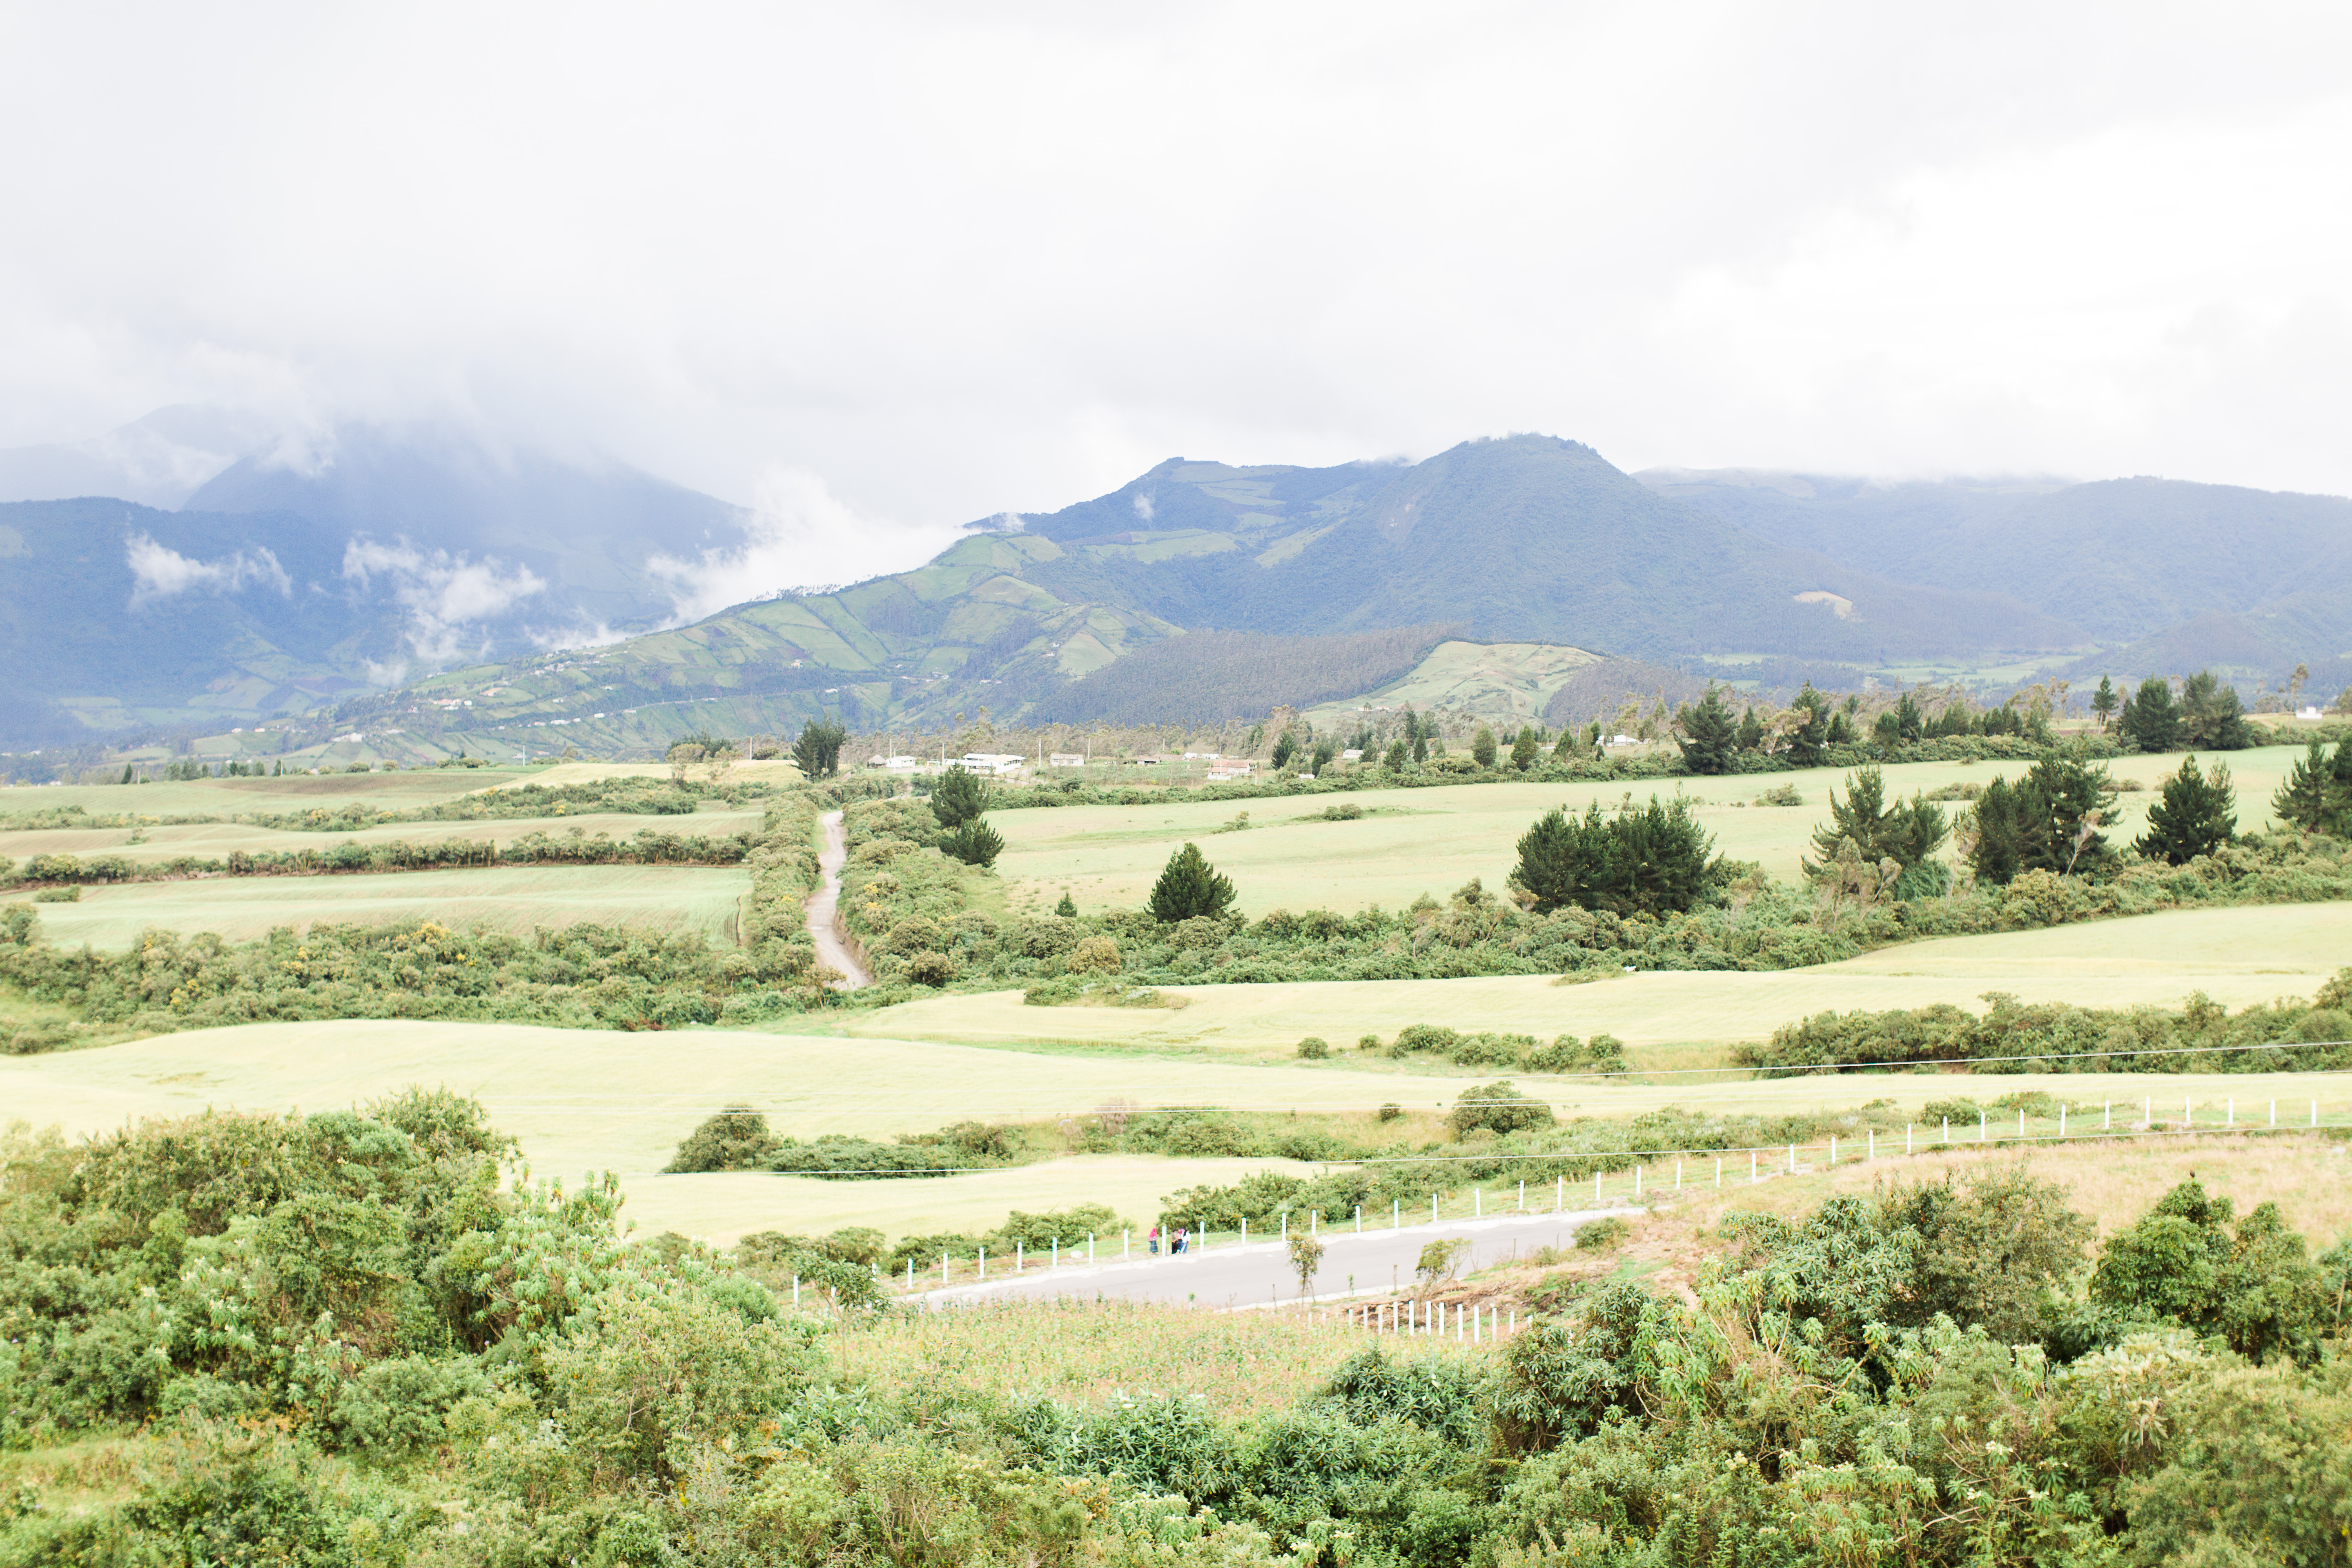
[2196, 814]
[2104, 702]
[2211, 717]
[959, 797]
[2049, 820]
[1639, 862]
[1709, 734]
[2318, 795]
[1068, 908]
[2149, 721]
[1189, 887]
[1396, 758]
[1524, 750]
[1905, 833]
[1751, 730]
[1482, 747]
[975, 842]
[1285, 748]
[1812, 730]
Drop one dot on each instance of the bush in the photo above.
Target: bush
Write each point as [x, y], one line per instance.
[1497, 1107]
[975, 842]
[1092, 955]
[1602, 1235]
[930, 968]
[1313, 1049]
[69, 894]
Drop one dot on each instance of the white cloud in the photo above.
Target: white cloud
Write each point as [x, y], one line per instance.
[447, 597]
[961, 259]
[802, 536]
[160, 572]
[1143, 506]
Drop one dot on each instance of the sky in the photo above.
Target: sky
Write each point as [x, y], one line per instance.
[877, 270]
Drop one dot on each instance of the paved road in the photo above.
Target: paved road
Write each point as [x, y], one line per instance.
[1377, 1262]
[823, 906]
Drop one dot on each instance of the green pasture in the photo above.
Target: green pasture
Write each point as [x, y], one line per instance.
[218, 840]
[1416, 841]
[1492, 679]
[1678, 1018]
[228, 797]
[516, 898]
[585, 1099]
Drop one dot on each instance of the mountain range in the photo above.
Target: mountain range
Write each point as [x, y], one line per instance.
[393, 573]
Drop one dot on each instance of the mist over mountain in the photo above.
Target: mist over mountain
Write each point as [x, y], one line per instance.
[342, 576]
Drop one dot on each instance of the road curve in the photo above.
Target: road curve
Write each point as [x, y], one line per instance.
[1377, 1262]
[825, 906]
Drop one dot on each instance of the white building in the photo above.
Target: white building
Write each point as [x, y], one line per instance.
[996, 763]
[2311, 711]
[1065, 760]
[1352, 756]
[896, 764]
[1230, 768]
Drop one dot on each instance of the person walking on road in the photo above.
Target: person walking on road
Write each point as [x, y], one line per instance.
[1151, 1242]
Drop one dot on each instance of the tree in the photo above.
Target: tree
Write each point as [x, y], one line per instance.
[2195, 814]
[2318, 795]
[1910, 723]
[1285, 748]
[1189, 889]
[1639, 862]
[1811, 729]
[1751, 730]
[1068, 909]
[1906, 834]
[1305, 1257]
[959, 797]
[817, 753]
[2149, 721]
[1526, 749]
[1709, 734]
[2104, 702]
[2183, 1260]
[1482, 747]
[1397, 757]
[1498, 1108]
[2049, 820]
[2211, 717]
[1326, 752]
[975, 842]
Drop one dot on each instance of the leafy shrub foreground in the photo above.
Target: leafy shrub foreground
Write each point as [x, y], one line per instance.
[348, 1339]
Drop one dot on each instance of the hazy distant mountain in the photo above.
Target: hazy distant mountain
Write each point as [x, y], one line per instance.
[2167, 575]
[156, 461]
[278, 588]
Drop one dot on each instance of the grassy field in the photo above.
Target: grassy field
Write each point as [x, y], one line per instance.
[1676, 1019]
[591, 1100]
[223, 797]
[217, 841]
[1237, 1363]
[1434, 840]
[516, 898]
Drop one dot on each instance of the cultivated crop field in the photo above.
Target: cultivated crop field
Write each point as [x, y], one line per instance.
[1416, 841]
[223, 797]
[516, 898]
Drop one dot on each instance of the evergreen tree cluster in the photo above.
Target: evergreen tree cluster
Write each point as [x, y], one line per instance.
[2196, 814]
[2049, 820]
[958, 801]
[2318, 795]
[1864, 829]
[1646, 861]
[2207, 715]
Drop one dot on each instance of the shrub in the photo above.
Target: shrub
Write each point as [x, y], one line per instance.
[1602, 1235]
[1497, 1107]
[975, 842]
[69, 894]
[737, 1139]
[930, 968]
[1092, 955]
[1313, 1049]
[1388, 1113]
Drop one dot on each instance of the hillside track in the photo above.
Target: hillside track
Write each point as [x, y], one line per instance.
[825, 909]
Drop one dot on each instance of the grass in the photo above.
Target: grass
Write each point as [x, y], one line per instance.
[517, 898]
[2238, 956]
[223, 797]
[1238, 1364]
[217, 841]
[1440, 837]
[585, 1099]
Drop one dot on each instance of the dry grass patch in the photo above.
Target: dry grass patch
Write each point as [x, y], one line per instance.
[1237, 1363]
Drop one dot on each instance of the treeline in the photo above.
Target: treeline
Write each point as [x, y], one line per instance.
[648, 848]
[2011, 1036]
[355, 1342]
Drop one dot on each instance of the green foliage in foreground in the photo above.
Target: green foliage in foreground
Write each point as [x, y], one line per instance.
[346, 1340]
[2055, 1036]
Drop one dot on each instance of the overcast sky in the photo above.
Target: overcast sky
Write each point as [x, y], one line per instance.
[886, 267]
